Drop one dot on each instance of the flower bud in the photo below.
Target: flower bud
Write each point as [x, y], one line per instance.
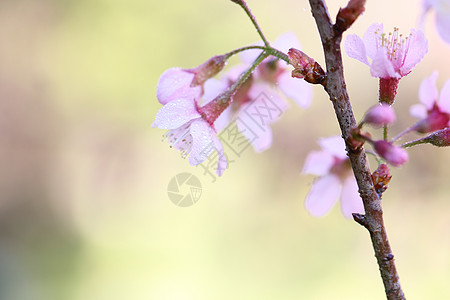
[306, 67]
[347, 15]
[394, 155]
[440, 138]
[380, 115]
[208, 69]
[381, 177]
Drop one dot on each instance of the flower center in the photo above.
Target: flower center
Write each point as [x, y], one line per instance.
[395, 44]
[180, 139]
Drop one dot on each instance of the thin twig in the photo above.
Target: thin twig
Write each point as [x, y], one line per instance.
[336, 89]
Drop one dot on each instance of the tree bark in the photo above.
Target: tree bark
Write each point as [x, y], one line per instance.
[336, 88]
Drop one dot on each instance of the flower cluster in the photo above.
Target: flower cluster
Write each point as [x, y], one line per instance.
[197, 106]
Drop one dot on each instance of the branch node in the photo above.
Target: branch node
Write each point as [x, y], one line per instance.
[360, 219]
[389, 257]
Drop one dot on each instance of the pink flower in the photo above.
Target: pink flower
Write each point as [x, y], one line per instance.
[394, 155]
[191, 131]
[392, 55]
[434, 111]
[175, 83]
[335, 178]
[442, 10]
[380, 115]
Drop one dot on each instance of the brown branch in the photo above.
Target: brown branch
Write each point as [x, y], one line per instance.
[336, 89]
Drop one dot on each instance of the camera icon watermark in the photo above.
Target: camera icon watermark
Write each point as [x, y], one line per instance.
[184, 190]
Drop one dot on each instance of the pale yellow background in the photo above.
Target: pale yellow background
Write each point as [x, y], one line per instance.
[84, 211]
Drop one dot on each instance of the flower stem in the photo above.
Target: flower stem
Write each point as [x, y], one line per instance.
[238, 50]
[415, 142]
[385, 132]
[244, 76]
[252, 18]
[404, 132]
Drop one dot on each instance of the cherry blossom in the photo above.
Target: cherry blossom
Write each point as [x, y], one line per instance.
[335, 180]
[442, 11]
[175, 83]
[392, 55]
[434, 110]
[191, 131]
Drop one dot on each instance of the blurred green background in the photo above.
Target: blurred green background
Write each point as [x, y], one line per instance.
[84, 210]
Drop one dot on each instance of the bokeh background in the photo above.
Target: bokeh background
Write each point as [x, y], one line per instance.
[84, 209]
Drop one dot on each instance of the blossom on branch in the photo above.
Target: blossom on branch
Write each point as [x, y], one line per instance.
[392, 55]
[434, 110]
[335, 180]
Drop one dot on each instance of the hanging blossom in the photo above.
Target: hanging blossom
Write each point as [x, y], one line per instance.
[434, 110]
[392, 55]
[176, 83]
[335, 180]
[191, 129]
[442, 11]
[257, 103]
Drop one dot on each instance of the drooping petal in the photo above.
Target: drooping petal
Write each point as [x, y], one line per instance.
[428, 92]
[418, 47]
[318, 163]
[371, 39]
[443, 24]
[298, 90]
[351, 202]
[202, 142]
[418, 111]
[323, 195]
[444, 98]
[175, 83]
[354, 47]
[382, 66]
[334, 145]
[259, 136]
[176, 113]
[222, 162]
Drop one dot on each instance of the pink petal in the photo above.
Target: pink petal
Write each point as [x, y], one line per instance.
[418, 111]
[428, 92]
[212, 88]
[371, 39]
[354, 47]
[443, 24]
[318, 163]
[175, 83]
[202, 142]
[222, 162]
[334, 145]
[323, 195]
[286, 41]
[382, 66]
[298, 90]
[418, 47]
[224, 119]
[351, 202]
[176, 113]
[444, 98]
[259, 135]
